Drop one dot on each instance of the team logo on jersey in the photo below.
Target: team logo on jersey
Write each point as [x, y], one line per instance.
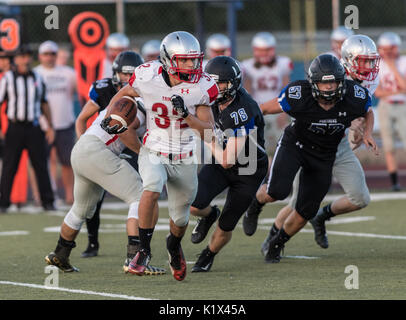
[184, 91]
[342, 114]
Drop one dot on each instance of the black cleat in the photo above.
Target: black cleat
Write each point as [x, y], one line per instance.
[320, 234]
[250, 219]
[274, 252]
[92, 250]
[205, 261]
[60, 262]
[265, 245]
[203, 226]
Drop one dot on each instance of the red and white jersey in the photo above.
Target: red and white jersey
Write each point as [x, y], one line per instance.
[267, 82]
[112, 141]
[167, 132]
[388, 81]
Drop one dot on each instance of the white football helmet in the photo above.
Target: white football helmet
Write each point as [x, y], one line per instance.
[360, 57]
[263, 45]
[117, 41]
[150, 50]
[218, 44]
[389, 44]
[338, 36]
[181, 45]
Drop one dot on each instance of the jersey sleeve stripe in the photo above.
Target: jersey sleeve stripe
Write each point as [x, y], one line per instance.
[131, 81]
[283, 102]
[213, 92]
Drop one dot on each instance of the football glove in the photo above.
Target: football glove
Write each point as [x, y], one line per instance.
[105, 124]
[179, 106]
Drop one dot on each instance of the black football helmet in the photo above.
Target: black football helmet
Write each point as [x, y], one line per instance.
[125, 62]
[327, 68]
[225, 69]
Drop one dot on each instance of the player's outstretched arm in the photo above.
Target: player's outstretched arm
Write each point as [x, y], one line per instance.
[87, 112]
[368, 139]
[271, 107]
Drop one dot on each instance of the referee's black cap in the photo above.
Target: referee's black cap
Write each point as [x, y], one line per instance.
[24, 49]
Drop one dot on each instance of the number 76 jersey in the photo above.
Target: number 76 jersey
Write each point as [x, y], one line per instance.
[167, 131]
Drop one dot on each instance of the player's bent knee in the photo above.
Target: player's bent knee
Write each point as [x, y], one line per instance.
[360, 200]
[278, 194]
[73, 221]
[180, 221]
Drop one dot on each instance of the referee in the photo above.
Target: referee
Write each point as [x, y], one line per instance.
[24, 91]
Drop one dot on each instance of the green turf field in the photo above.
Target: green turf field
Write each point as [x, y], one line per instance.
[239, 271]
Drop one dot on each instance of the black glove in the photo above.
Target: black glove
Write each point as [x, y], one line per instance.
[111, 130]
[179, 106]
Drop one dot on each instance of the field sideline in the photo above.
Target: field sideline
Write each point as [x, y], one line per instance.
[372, 239]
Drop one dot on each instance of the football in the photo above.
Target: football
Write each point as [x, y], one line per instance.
[122, 112]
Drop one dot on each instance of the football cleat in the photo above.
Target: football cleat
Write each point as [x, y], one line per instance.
[61, 262]
[274, 252]
[91, 251]
[265, 245]
[149, 271]
[320, 234]
[177, 263]
[139, 264]
[203, 226]
[204, 262]
[250, 218]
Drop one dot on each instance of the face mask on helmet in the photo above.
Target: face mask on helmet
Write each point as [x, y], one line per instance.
[364, 67]
[328, 96]
[186, 68]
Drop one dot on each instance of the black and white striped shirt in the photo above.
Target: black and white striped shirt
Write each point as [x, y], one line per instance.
[24, 94]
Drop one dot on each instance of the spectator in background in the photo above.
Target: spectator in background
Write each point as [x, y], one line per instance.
[115, 43]
[337, 38]
[60, 82]
[62, 57]
[150, 50]
[392, 103]
[24, 91]
[264, 75]
[217, 44]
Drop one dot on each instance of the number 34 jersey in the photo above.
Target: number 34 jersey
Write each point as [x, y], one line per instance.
[167, 131]
[315, 129]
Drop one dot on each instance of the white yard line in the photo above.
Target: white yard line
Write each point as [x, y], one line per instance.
[95, 293]
[14, 233]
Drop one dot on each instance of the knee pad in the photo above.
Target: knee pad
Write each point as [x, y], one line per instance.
[133, 210]
[361, 200]
[73, 221]
[180, 220]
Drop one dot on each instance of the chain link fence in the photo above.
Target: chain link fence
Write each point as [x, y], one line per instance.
[297, 24]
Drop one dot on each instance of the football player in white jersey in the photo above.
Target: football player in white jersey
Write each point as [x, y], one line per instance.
[97, 167]
[217, 44]
[361, 62]
[337, 38]
[264, 75]
[177, 97]
[392, 103]
[150, 50]
[115, 43]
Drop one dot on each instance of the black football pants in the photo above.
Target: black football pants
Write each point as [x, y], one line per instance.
[20, 136]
